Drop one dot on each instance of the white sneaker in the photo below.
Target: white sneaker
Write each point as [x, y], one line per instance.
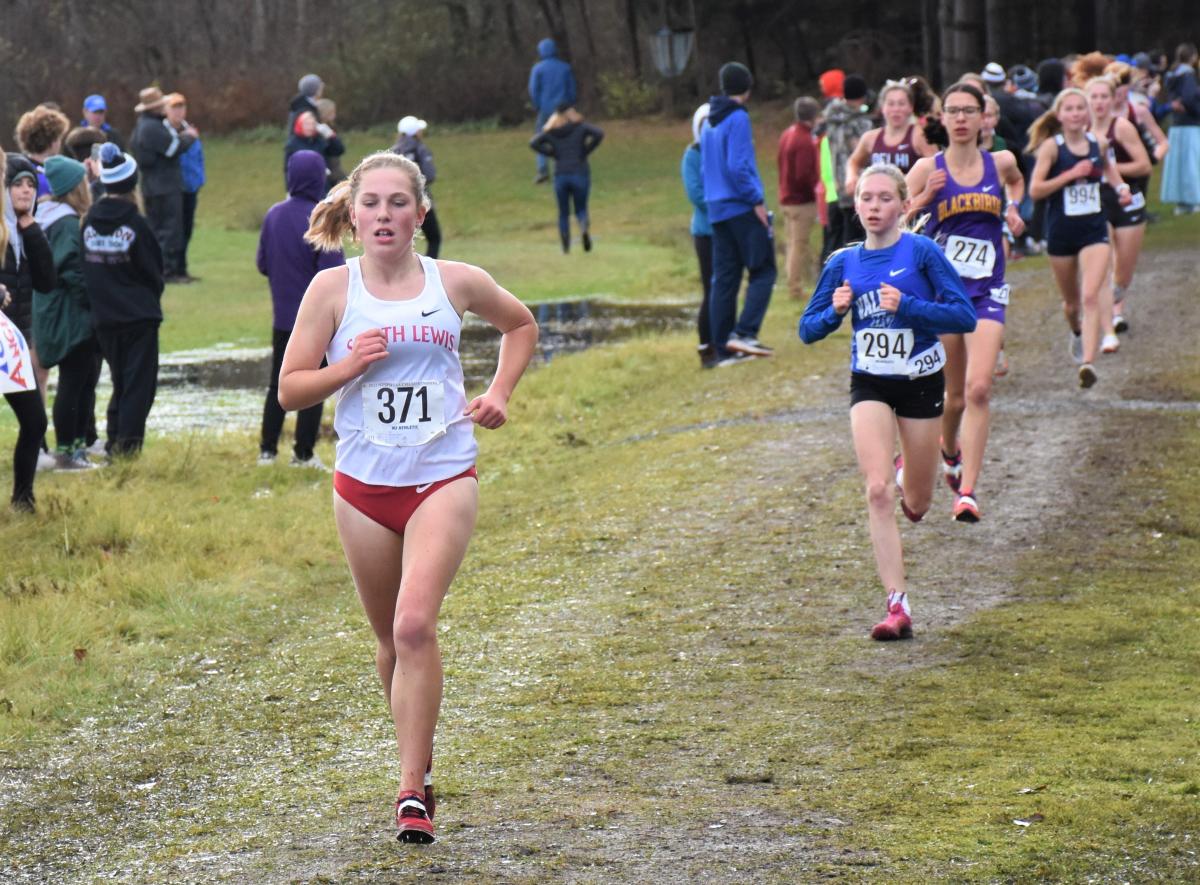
[1110, 344]
[46, 461]
[1075, 347]
[266, 459]
[97, 448]
[314, 462]
[748, 345]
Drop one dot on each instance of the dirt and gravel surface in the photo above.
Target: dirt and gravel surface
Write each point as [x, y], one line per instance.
[86, 809]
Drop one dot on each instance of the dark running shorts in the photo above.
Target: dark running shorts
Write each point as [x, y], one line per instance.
[1122, 216]
[907, 397]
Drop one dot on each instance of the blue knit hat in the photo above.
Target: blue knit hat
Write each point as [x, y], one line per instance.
[118, 171]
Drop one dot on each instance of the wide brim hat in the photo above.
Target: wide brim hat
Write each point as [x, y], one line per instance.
[150, 99]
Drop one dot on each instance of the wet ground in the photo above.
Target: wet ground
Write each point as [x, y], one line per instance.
[223, 388]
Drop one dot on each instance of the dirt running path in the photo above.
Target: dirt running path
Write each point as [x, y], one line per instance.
[708, 719]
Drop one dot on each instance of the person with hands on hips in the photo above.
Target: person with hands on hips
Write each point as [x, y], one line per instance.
[901, 292]
[405, 489]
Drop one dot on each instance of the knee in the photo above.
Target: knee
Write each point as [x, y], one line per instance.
[1090, 298]
[954, 401]
[412, 631]
[979, 392]
[880, 495]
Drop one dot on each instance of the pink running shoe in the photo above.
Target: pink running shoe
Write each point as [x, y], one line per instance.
[966, 508]
[898, 623]
[412, 820]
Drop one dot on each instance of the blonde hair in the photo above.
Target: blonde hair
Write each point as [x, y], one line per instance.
[1120, 73]
[562, 118]
[4, 233]
[78, 198]
[891, 172]
[330, 220]
[1103, 80]
[895, 86]
[1048, 125]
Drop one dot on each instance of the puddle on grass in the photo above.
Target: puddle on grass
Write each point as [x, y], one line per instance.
[223, 388]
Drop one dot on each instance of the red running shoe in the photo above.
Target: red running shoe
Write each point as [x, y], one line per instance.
[412, 820]
[966, 508]
[898, 623]
[952, 468]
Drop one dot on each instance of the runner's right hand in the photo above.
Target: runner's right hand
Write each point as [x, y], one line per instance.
[842, 296]
[366, 348]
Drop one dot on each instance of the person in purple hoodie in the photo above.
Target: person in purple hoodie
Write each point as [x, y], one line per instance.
[289, 265]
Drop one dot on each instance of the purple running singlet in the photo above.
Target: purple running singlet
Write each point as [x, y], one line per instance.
[967, 223]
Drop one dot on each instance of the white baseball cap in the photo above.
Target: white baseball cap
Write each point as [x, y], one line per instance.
[410, 125]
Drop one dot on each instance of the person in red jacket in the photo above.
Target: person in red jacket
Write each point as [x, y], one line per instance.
[799, 172]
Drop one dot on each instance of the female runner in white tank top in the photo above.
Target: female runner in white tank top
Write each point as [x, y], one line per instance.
[405, 494]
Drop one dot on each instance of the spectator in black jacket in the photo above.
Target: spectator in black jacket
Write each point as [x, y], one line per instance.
[569, 140]
[28, 262]
[411, 144]
[311, 88]
[309, 134]
[122, 264]
[157, 146]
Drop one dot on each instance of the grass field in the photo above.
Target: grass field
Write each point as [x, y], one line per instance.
[655, 667]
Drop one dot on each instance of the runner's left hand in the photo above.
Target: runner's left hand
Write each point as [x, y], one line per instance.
[488, 410]
[889, 297]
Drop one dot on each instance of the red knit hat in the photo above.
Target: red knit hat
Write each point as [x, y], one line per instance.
[831, 82]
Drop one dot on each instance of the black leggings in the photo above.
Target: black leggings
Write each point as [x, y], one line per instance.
[308, 421]
[31, 416]
[703, 244]
[76, 392]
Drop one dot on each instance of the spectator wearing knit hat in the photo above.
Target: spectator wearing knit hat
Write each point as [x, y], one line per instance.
[742, 236]
[62, 319]
[311, 89]
[122, 263]
[26, 263]
[157, 147]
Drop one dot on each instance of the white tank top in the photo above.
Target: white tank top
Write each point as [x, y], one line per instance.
[401, 422]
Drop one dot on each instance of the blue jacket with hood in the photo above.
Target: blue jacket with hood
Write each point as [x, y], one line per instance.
[288, 262]
[731, 183]
[551, 82]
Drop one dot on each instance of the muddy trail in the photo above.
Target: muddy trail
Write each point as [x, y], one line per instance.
[693, 751]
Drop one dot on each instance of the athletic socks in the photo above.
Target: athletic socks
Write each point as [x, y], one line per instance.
[902, 598]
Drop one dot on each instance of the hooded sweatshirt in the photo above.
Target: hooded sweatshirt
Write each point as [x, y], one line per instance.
[845, 123]
[288, 262]
[731, 183]
[28, 264]
[122, 264]
[62, 319]
[551, 82]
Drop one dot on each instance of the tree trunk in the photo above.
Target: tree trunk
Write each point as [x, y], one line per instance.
[931, 42]
[631, 29]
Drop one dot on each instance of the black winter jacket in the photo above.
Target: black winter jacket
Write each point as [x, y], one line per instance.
[36, 272]
[157, 148]
[122, 265]
[569, 146]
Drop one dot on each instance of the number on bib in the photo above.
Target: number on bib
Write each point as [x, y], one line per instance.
[1138, 202]
[883, 351]
[974, 259]
[408, 413]
[1082, 198]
